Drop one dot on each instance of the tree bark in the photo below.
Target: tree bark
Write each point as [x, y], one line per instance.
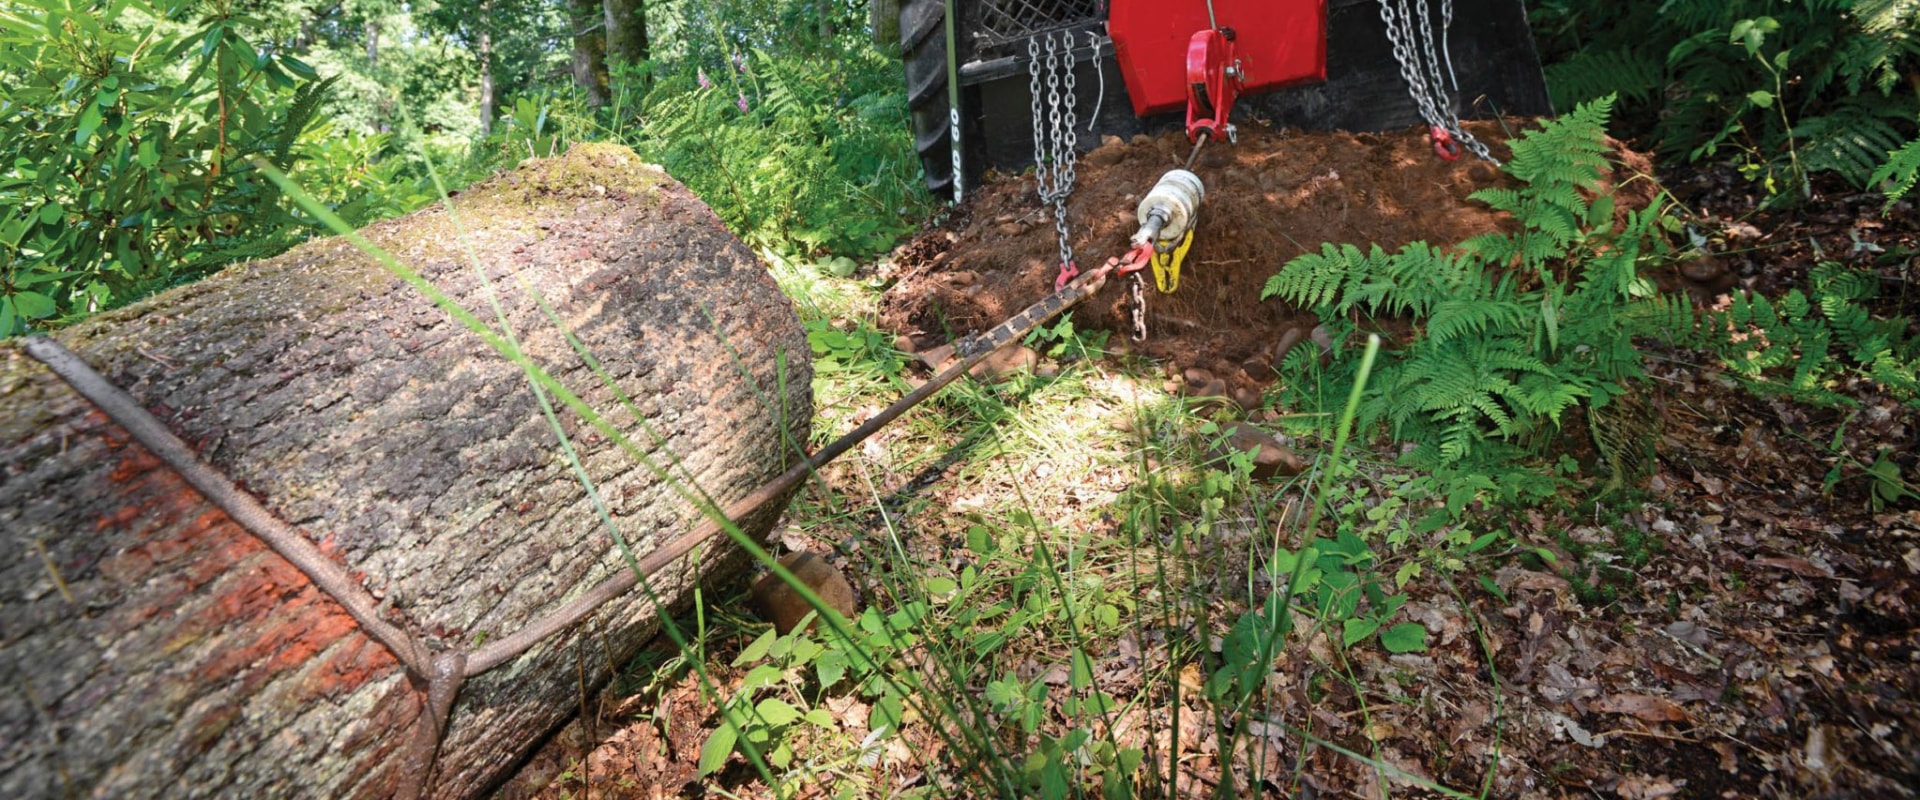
[153, 648]
[883, 19]
[486, 76]
[627, 31]
[589, 50]
[825, 10]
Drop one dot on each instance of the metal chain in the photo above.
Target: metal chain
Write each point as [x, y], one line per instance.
[1139, 308]
[1420, 68]
[1054, 137]
[1099, 98]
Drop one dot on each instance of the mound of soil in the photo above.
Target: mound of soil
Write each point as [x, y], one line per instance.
[1270, 197]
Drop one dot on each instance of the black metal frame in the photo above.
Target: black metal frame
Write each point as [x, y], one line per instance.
[1492, 51]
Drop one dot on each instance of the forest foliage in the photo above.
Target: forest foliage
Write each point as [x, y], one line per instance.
[1783, 87]
[131, 131]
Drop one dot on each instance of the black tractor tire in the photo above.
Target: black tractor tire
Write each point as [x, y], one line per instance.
[923, 51]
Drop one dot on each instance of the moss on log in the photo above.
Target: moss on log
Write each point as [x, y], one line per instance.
[151, 647]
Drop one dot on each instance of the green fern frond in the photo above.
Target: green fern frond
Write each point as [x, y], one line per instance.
[1452, 319]
[1315, 280]
[1665, 318]
[1593, 74]
[300, 114]
[1856, 139]
[1570, 150]
[1900, 172]
[1832, 280]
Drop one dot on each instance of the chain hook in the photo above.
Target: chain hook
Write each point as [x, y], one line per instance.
[1067, 273]
[1411, 35]
[1444, 145]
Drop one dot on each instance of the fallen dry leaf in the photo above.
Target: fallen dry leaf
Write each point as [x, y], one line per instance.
[1643, 787]
[1797, 566]
[1512, 578]
[1642, 706]
[1729, 761]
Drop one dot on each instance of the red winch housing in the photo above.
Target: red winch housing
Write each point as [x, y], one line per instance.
[1249, 47]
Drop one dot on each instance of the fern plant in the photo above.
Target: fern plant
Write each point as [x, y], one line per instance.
[1799, 345]
[1902, 170]
[1518, 328]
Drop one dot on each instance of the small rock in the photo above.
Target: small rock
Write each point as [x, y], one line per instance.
[1703, 269]
[936, 359]
[784, 607]
[962, 278]
[903, 343]
[1198, 376]
[1706, 278]
[1246, 397]
[1005, 362]
[1323, 339]
[1287, 342]
[1212, 388]
[1105, 155]
[1271, 456]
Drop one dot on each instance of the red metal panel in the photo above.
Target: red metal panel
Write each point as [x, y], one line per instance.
[1280, 43]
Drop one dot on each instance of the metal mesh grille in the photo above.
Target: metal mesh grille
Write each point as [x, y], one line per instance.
[1010, 20]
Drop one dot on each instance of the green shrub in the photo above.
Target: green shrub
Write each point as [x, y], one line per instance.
[120, 171]
[805, 154]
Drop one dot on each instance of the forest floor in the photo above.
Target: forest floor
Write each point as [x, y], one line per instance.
[1742, 625]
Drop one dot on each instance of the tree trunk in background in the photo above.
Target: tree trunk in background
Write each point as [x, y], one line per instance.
[883, 18]
[149, 647]
[627, 31]
[589, 49]
[486, 76]
[381, 106]
[825, 10]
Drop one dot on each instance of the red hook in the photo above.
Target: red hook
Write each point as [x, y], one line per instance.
[1135, 260]
[1443, 144]
[1067, 273]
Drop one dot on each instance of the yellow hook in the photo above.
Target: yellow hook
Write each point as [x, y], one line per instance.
[1166, 266]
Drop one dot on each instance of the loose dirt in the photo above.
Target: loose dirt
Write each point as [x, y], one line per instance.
[1270, 197]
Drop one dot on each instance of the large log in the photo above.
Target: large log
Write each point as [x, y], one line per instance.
[149, 646]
